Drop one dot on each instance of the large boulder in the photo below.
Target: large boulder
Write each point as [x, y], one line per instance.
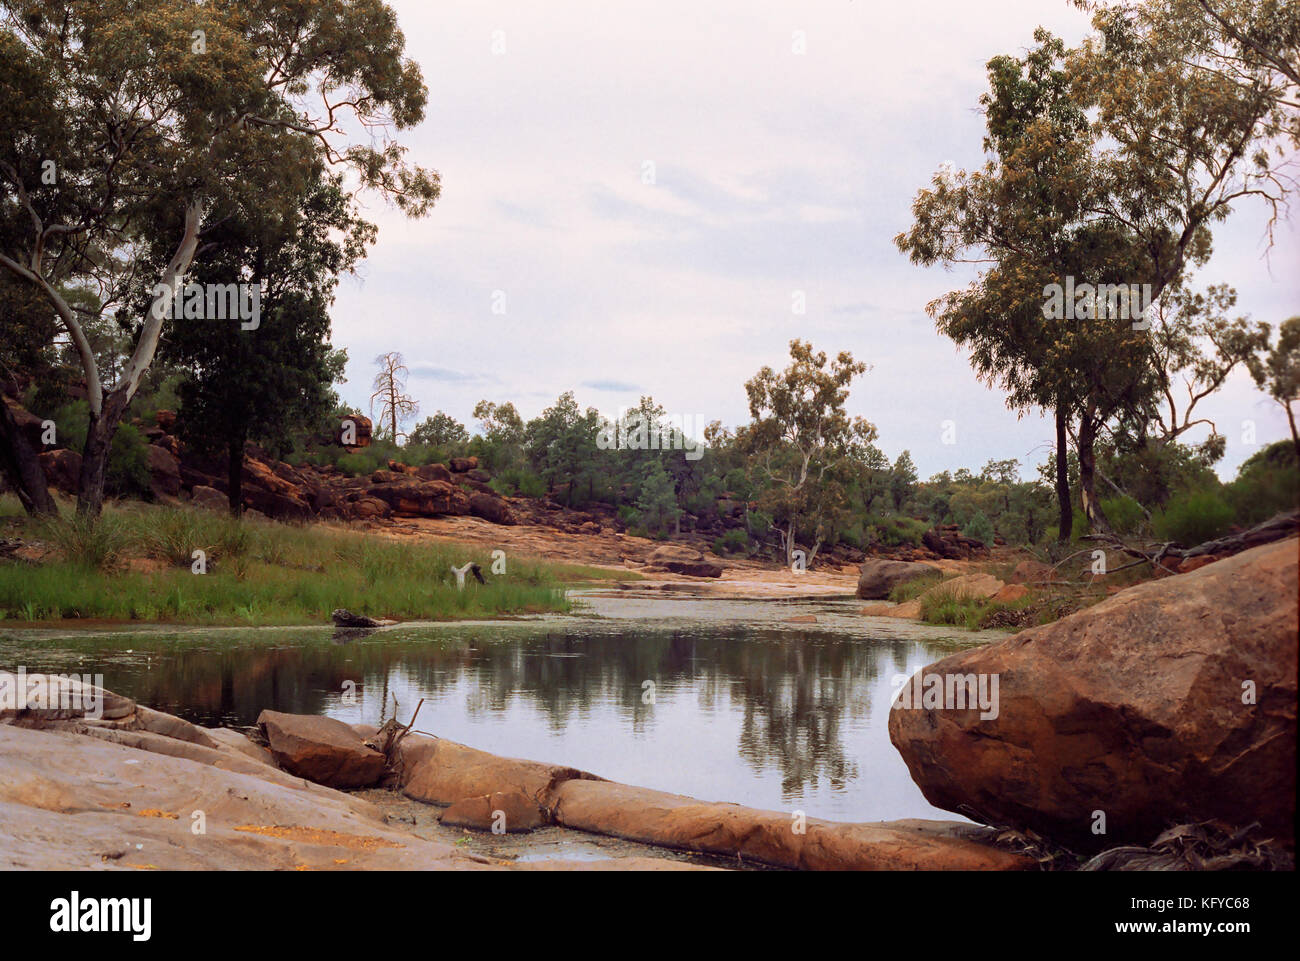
[321, 749]
[491, 507]
[62, 469]
[164, 472]
[878, 576]
[1171, 701]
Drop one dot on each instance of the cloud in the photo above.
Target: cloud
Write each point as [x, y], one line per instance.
[774, 173]
[611, 386]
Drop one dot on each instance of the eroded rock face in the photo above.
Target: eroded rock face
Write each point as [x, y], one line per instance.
[878, 576]
[509, 812]
[680, 559]
[1140, 707]
[438, 771]
[491, 507]
[640, 814]
[321, 749]
[422, 498]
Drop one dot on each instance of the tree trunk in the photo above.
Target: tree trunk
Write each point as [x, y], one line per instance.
[1097, 522]
[235, 477]
[22, 467]
[1066, 522]
[1295, 435]
[94, 455]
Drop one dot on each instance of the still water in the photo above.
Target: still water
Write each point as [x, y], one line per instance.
[720, 700]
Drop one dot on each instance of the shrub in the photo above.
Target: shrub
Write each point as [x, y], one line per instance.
[734, 541]
[128, 465]
[980, 528]
[1193, 518]
[88, 542]
[1124, 513]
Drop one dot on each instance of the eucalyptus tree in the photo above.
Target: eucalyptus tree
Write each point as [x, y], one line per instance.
[133, 124]
[802, 443]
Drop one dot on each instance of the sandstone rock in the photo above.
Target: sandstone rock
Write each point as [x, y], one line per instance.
[1190, 564]
[321, 749]
[27, 422]
[515, 812]
[1031, 572]
[233, 740]
[1133, 707]
[439, 771]
[62, 469]
[364, 508]
[164, 472]
[433, 472]
[879, 576]
[1010, 594]
[362, 428]
[462, 465]
[422, 498]
[478, 474]
[166, 419]
[673, 552]
[491, 507]
[52, 697]
[209, 498]
[653, 817]
[74, 802]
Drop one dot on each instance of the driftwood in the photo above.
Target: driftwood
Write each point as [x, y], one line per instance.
[390, 735]
[342, 617]
[1276, 528]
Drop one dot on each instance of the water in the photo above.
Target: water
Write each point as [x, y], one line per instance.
[745, 706]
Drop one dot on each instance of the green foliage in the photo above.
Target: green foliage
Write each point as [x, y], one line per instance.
[128, 464]
[658, 502]
[980, 528]
[733, 541]
[1193, 518]
[263, 573]
[439, 430]
[518, 481]
[896, 531]
[910, 590]
[1268, 483]
[1124, 513]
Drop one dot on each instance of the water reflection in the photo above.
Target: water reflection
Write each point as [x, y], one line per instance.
[771, 717]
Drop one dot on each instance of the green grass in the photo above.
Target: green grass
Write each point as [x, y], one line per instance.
[966, 610]
[260, 573]
[911, 590]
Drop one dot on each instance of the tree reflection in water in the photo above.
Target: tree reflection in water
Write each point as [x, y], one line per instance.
[799, 701]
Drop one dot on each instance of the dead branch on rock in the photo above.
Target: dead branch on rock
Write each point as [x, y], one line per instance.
[1275, 528]
[390, 735]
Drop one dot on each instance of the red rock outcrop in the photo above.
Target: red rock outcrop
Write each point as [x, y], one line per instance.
[1171, 701]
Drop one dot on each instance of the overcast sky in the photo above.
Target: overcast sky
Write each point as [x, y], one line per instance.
[774, 172]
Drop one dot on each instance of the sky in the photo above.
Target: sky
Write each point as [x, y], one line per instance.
[638, 198]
